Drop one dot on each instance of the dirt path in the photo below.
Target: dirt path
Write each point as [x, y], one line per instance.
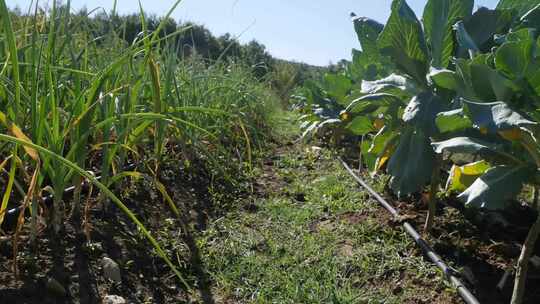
[308, 235]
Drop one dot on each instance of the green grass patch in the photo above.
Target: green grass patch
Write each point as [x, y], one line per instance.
[331, 246]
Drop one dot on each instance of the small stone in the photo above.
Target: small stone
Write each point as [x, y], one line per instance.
[347, 250]
[316, 149]
[114, 300]
[111, 270]
[55, 287]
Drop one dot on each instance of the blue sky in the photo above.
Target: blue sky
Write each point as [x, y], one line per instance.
[312, 31]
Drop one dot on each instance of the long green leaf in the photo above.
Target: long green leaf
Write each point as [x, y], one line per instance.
[411, 165]
[496, 187]
[496, 116]
[403, 40]
[520, 6]
[13, 55]
[368, 31]
[464, 145]
[439, 17]
[107, 192]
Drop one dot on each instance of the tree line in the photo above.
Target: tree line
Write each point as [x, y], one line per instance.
[192, 39]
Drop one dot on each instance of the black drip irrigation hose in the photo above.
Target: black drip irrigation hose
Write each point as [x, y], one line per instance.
[68, 191]
[449, 273]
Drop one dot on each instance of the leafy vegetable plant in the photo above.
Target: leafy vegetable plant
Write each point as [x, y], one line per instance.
[456, 82]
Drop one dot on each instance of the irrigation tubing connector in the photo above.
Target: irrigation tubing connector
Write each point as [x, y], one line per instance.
[450, 274]
[49, 198]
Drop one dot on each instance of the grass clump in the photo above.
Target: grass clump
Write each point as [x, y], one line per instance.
[73, 105]
[317, 239]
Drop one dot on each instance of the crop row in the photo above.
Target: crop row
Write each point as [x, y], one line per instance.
[72, 104]
[428, 95]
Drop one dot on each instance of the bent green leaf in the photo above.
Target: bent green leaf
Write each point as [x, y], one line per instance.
[496, 116]
[393, 84]
[443, 78]
[422, 111]
[360, 125]
[462, 177]
[464, 145]
[382, 99]
[412, 163]
[452, 121]
[107, 192]
[368, 31]
[495, 188]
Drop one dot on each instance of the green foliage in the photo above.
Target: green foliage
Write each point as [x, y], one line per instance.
[360, 125]
[79, 93]
[471, 82]
[496, 117]
[421, 112]
[412, 163]
[337, 87]
[479, 96]
[464, 145]
[462, 177]
[483, 25]
[403, 41]
[520, 6]
[439, 17]
[368, 63]
[494, 189]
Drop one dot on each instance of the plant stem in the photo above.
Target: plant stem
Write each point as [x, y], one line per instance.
[76, 208]
[535, 198]
[360, 155]
[528, 247]
[432, 203]
[58, 211]
[523, 263]
[33, 224]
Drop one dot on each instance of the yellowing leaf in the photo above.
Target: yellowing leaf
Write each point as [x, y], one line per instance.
[463, 177]
[381, 161]
[511, 134]
[167, 197]
[7, 192]
[378, 124]
[118, 177]
[18, 133]
[385, 156]
[483, 130]
[344, 116]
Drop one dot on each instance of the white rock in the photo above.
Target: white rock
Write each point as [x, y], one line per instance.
[114, 300]
[111, 270]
